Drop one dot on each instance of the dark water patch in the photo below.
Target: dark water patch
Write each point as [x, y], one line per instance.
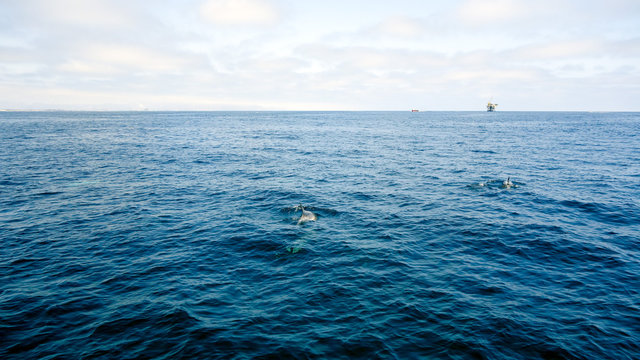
[70, 308]
[484, 151]
[47, 193]
[627, 214]
[27, 261]
[272, 196]
[6, 182]
[165, 322]
[362, 196]
[158, 333]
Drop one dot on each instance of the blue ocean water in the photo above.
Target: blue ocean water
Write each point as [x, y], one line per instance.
[175, 235]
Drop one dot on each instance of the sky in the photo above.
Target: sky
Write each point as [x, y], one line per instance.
[556, 55]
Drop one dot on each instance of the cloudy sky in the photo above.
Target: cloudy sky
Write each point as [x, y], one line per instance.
[320, 55]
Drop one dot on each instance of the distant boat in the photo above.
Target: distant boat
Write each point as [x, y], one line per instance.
[414, 110]
[491, 106]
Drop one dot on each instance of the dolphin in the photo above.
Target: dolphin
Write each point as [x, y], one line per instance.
[507, 183]
[306, 215]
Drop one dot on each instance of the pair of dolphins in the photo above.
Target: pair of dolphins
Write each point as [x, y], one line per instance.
[507, 184]
[309, 216]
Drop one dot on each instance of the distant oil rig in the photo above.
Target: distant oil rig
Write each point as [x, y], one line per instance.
[491, 106]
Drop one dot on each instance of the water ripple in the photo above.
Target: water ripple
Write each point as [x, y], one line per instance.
[176, 235]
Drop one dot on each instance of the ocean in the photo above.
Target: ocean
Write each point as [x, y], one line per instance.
[175, 235]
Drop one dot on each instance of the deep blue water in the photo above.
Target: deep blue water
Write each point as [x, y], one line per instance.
[175, 235]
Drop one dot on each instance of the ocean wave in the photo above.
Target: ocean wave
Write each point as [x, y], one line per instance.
[180, 238]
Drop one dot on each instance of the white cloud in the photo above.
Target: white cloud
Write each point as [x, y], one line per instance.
[489, 76]
[240, 12]
[560, 50]
[91, 13]
[489, 11]
[224, 54]
[400, 26]
[21, 68]
[136, 58]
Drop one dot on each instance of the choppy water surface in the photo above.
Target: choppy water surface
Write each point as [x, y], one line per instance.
[176, 235]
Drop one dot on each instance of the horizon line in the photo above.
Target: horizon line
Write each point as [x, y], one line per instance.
[310, 110]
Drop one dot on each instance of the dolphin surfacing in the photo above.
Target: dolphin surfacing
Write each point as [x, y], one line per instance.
[306, 215]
